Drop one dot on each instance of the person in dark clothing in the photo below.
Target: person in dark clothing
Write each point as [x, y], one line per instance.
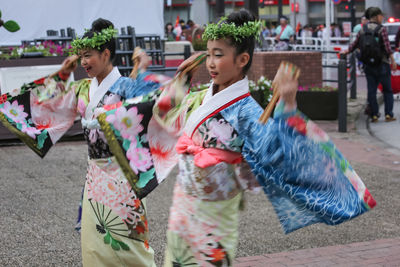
[378, 74]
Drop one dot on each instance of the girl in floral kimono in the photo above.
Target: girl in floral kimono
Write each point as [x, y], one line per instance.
[222, 149]
[114, 225]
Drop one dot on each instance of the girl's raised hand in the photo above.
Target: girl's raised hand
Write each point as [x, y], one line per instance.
[188, 67]
[69, 64]
[144, 59]
[286, 82]
[140, 61]
[285, 86]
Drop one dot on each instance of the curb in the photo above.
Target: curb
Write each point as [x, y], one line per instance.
[363, 127]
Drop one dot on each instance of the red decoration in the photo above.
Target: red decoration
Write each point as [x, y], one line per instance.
[3, 98]
[298, 123]
[140, 229]
[218, 254]
[112, 106]
[63, 76]
[369, 199]
[137, 203]
[40, 81]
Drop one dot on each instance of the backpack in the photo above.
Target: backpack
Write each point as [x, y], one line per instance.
[370, 46]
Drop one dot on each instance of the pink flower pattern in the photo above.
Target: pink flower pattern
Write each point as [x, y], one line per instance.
[81, 107]
[316, 133]
[162, 147]
[56, 115]
[31, 131]
[117, 195]
[14, 111]
[127, 122]
[139, 158]
[198, 234]
[94, 134]
[221, 130]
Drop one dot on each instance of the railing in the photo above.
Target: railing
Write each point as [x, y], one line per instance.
[64, 36]
[185, 54]
[306, 43]
[151, 43]
[345, 69]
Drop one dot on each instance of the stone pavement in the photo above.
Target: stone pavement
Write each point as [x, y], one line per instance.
[383, 252]
[388, 132]
[374, 144]
[39, 200]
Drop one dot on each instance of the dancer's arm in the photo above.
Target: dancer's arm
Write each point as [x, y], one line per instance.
[40, 112]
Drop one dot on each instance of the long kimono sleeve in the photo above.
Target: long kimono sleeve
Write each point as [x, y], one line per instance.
[127, 126]
[40, 112]
[142, 131]
[304, 175]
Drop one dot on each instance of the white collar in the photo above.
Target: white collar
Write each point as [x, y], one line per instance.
[96, 91]
[215, 103]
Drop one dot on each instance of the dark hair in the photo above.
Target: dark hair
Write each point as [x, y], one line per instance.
[166, 27]
[372, 12]
[245, 44]
[190, 23]
[98, 25]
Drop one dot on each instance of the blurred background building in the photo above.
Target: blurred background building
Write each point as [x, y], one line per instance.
[299, 11]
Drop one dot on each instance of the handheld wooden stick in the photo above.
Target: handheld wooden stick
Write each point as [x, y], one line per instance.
[286, 70]
[190, 68]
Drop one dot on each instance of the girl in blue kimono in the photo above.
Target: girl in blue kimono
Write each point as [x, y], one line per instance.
[224, 150]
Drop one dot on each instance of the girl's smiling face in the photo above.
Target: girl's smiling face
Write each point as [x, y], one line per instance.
[94, 62]
[224, 66]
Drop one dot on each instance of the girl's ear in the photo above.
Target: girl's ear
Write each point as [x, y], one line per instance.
[106, 53]
[243, 59]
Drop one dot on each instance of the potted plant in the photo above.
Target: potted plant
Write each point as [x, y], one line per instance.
[318, 102]
[46, 49]
[261, 91]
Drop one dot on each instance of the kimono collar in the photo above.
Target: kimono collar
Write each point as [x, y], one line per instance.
[96, 91]
[213, 104]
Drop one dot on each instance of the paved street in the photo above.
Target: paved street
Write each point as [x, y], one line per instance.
[388, 132]
[39, 199]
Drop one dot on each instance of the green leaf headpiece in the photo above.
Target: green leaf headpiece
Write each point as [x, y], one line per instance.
[95, 42]
[222, 29]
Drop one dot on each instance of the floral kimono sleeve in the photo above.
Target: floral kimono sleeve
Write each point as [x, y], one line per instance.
[142, 131]
[304, 175]
[144, 149]
[125, 126]
[40, 112]
[143, 142]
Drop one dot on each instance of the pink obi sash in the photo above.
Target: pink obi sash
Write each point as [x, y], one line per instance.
[206, 157]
